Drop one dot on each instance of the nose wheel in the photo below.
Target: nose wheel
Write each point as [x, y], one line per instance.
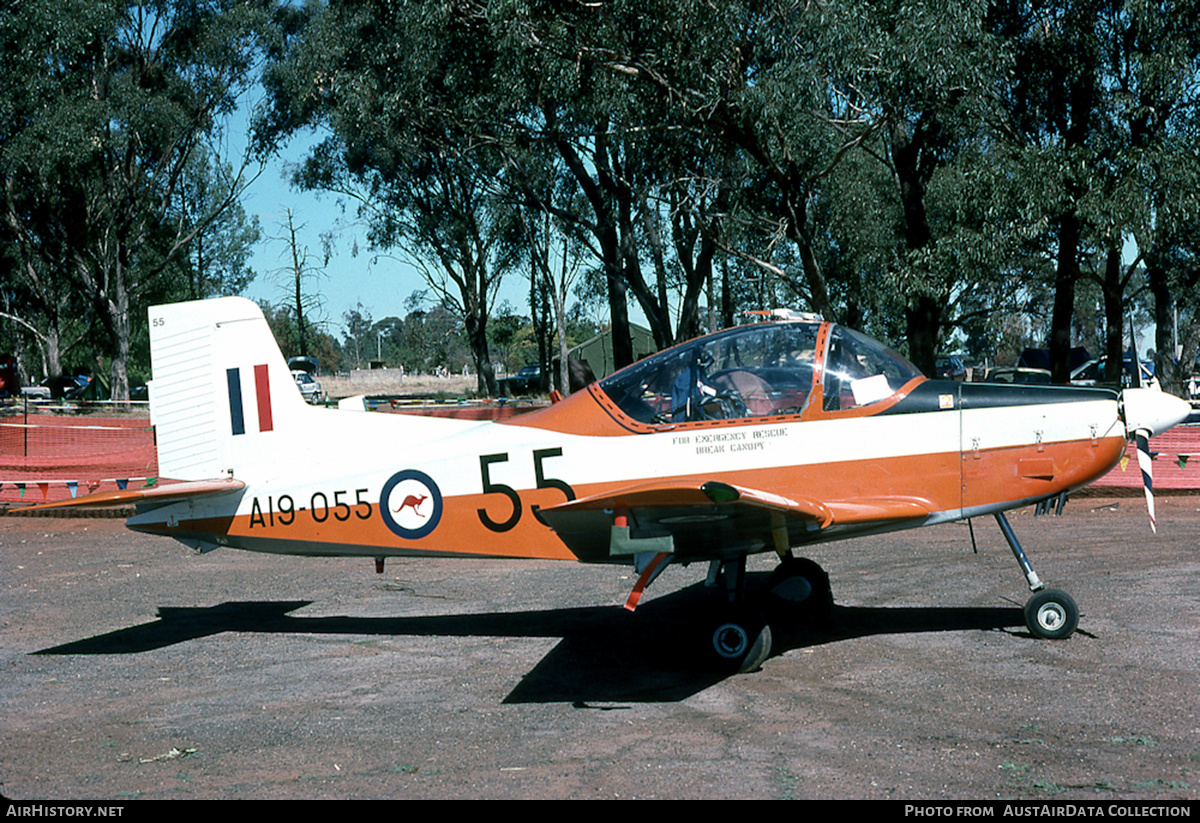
[1050, 613]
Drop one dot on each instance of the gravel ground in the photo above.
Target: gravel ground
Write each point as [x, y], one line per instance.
[134, 669]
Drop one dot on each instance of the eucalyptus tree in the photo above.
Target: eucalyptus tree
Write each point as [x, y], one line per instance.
[791, 92]
[1103, 110]
[923, 77]
[535, 84]
[408, 98]
[1154, 50]
[733, 75]
[216, 260]
[105, 105]
[554, 250]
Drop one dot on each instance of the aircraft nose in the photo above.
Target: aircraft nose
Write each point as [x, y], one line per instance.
[1152, 411]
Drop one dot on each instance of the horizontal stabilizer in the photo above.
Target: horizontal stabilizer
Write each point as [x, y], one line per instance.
[157, 495]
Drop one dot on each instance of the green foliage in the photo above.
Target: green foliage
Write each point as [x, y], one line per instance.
[324, 347]
[969, 169]
[106, 109]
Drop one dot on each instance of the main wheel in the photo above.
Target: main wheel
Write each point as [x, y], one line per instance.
[801, 586]
[1051, 614]
[741, 641]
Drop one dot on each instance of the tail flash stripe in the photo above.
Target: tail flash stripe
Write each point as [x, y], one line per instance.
[236, 415]
[262, 388]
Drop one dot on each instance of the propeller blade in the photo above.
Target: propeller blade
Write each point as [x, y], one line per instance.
[1145, 464]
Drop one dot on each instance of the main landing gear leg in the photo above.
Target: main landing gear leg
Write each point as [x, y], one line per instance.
[741, 637]
[1049, 613]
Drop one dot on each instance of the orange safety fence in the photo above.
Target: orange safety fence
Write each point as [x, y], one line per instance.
[1175, 463]
[46, 458]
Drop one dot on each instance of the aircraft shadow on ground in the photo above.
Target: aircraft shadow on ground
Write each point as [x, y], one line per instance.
[606, 653]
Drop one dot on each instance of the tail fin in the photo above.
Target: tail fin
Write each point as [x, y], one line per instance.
[221, 389]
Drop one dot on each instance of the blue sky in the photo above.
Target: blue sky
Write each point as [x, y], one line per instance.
[380, 284]
[379, 281]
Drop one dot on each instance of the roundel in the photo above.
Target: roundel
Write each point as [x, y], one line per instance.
[411, 504]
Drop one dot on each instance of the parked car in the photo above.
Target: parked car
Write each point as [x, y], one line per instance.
[525, 381]
[302, 363]
[63, 387]
[309, 386]
[1016, 374]
[1091, 373]
[950, 367]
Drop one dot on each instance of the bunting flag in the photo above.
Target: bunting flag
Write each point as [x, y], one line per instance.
[73, 486]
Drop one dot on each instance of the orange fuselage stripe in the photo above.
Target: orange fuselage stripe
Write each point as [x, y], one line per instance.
[950, 481]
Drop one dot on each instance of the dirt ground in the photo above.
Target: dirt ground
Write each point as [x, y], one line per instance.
[131, 668]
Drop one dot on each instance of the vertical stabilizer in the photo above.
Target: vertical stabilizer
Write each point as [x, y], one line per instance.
[221, 390]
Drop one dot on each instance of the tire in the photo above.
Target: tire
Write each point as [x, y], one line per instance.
[740, 641]
[1051, 614]
[801, 586]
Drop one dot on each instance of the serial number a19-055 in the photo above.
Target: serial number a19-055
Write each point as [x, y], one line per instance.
[282, 510]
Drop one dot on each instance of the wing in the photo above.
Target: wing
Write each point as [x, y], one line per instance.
[147, 498]
[702, 519]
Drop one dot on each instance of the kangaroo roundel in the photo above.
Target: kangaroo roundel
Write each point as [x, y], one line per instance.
[411, 504]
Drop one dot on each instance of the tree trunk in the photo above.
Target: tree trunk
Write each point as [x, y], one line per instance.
[119, 310]
[922, 317]
[1114, 316]
[1065, 277]
[1172, 374]
[477, 336]
[923, 311]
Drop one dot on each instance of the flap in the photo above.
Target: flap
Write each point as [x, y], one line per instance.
[683, 494]
[709, 518]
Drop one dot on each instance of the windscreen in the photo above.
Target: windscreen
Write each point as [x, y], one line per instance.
[750, 371]
[860, 371]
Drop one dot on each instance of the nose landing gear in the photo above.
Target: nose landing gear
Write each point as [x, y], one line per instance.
[1050, 613]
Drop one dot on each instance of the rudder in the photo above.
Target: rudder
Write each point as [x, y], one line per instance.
[221, 388]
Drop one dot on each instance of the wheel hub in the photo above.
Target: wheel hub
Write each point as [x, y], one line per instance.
[730, 641]
[1050, 616]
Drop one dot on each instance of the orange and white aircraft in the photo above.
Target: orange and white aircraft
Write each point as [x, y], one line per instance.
[761, 438]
